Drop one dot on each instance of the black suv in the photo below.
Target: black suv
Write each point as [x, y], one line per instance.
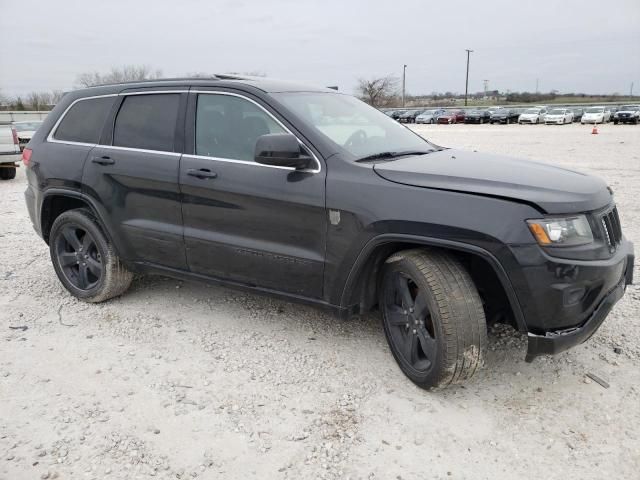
[314, 196]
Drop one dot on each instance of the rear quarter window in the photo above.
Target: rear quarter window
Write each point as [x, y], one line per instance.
[84, 121]
[147, 122]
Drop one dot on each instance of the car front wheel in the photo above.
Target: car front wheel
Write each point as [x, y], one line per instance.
[84, 259]
[433, 317]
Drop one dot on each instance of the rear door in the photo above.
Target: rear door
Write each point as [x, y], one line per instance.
[246, 222]
[133, 176]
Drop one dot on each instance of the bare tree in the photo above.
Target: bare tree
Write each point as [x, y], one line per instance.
[56, 96]
[127, 73]
[38, 101]
[377, 91]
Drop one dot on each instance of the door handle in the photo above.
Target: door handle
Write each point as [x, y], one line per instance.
[201, 173]
[104, 160]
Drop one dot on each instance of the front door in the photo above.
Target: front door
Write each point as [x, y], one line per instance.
[254, 224]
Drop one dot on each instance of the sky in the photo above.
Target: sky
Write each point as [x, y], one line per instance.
[567, 45]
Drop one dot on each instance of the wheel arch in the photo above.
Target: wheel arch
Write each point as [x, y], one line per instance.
[57, 201]
[360, 288]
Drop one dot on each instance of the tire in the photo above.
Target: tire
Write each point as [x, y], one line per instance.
[7, 173]
[444, 341]
[77, 242]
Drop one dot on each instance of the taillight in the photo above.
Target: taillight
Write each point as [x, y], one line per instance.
[15, 136]
[26, 157]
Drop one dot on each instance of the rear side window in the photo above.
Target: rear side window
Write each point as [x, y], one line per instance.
[84, 121]
[147, 122]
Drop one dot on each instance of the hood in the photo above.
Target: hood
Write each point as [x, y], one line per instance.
[553, 189]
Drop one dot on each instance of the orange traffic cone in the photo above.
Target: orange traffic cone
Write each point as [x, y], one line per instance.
[595, 129]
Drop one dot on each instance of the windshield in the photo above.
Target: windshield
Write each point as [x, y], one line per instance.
[351, 124]
[428, 112]
[557, 111]
[26, 127]
[630, 108]
[594, 110]
[532, 110]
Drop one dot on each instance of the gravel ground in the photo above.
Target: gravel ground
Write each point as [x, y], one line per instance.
[183, 380]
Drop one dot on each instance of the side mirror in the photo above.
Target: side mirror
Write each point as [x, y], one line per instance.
[281, 150]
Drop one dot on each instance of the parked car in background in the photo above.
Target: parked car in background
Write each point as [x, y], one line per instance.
[532, 115]
[180, 177]
[504, 115]
[451, 116]
[25, 131]
[397, 113]
[577, 113]
[627, 114]
[596, 115]
[478, 115]
[409, 116]
[9, 148]
[429, 116]
[559, 116]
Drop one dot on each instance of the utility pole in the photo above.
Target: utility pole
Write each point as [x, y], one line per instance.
[631, 90]
[404, 71]
[466, 85]
[537, 91]
[486, 87]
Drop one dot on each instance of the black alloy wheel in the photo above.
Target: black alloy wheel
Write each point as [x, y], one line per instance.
[79, 258]
[410, 324]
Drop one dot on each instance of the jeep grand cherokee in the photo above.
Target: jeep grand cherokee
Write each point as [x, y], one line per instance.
[314, 196]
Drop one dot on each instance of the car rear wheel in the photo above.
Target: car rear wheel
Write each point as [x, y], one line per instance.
[433, 317]
[7, 173]
[84, 259]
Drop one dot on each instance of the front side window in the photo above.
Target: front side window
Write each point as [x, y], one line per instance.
[354, 126]
[147, 122]
[84, 121]
[228, 126]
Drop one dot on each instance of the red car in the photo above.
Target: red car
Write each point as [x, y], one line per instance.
[452, 116]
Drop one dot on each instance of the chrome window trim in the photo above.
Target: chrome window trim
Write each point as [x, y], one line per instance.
[142, 150]
[248, 162]
[51, 139]
[244, 162]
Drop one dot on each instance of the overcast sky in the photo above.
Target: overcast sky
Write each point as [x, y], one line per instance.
[569, 45]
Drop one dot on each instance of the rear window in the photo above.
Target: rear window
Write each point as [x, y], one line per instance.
[84, 121]
[147, 122]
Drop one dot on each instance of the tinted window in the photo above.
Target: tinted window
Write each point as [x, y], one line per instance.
[84, 121]
[147, 121]
[229, 126]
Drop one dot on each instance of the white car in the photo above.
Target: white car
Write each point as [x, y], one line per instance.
[26, 130]
[9, 149]
[596, 115]
[533, 115]
[559, 116]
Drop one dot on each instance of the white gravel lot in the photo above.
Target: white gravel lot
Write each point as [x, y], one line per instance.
[183, 380]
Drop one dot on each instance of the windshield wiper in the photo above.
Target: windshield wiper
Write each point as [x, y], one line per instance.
[381, 155]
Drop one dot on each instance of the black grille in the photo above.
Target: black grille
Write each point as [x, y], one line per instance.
[612, 228]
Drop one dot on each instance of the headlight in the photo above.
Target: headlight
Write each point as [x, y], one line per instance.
[561, 232]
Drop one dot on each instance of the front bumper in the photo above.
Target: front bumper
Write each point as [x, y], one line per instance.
[601, 286]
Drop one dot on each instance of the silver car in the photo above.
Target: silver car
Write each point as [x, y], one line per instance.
[429, 116]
